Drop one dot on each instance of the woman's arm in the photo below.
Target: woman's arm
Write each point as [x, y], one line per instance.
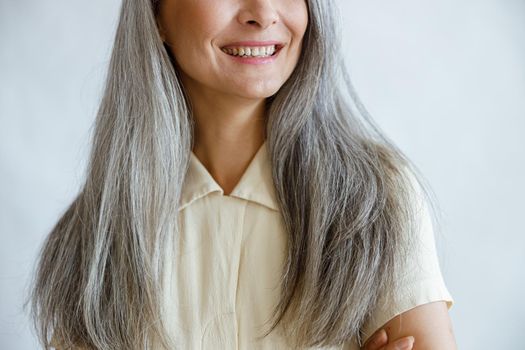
[429, 324]
[380, 341]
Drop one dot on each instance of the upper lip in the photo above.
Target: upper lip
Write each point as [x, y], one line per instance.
[278, 44]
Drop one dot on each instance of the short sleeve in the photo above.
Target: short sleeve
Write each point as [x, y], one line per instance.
[422, 283]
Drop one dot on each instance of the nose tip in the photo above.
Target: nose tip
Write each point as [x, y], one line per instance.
[262, 23]
[262, 16]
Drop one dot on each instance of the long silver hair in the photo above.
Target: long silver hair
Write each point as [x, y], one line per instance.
[344, 189]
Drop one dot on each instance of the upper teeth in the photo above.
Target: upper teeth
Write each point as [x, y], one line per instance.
[257, 51]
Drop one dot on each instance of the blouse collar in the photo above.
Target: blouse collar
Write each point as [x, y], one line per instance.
[255, 185]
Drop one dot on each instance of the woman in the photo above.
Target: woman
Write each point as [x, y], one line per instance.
[236, 199]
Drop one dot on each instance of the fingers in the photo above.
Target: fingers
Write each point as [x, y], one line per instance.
[376, 341]
[405, 343]
[379, 341]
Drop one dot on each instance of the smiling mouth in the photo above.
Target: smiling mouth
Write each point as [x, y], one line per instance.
[252, 51]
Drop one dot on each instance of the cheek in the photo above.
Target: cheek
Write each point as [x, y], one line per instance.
[192, 25]
[299, 21]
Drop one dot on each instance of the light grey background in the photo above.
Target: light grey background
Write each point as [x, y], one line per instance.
[444, 79]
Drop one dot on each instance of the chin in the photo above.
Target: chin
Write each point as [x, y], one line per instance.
[258, 92]
[258, 96]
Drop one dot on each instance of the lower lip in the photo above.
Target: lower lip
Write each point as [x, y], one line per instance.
[254, 60]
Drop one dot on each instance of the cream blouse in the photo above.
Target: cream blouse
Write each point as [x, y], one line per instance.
[222, 282]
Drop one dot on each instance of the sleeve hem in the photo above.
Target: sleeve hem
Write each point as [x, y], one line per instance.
[415, 294]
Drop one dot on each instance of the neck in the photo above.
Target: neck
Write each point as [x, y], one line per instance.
[229, 130]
